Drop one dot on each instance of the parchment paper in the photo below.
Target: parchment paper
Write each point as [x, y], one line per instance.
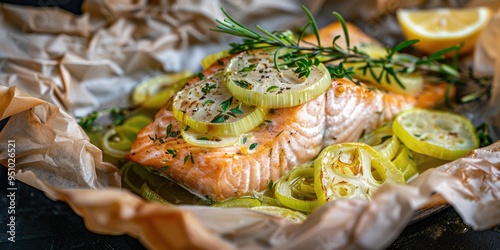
[55, 66]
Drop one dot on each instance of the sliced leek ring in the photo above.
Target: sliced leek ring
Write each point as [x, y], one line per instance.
[413, 82]
[383, 140]
[405, 162]
[113, 148]
[199, 139]
[152, 196]
[238, 202]
[208, 107]
[293, 190]
[286, 213]
[352, 170]
[253, 79]
[439, 134]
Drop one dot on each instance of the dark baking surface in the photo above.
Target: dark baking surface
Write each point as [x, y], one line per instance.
[45, 224]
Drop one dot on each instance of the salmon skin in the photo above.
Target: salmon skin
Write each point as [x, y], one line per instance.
[289, 137]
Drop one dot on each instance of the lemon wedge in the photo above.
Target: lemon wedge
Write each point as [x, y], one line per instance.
[443, 27]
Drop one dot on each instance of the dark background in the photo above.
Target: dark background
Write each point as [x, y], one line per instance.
[45, 224]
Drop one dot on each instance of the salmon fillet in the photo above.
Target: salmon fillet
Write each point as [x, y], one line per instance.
[289, 137]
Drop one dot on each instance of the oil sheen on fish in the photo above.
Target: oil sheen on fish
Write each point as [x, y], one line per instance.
[287, 138]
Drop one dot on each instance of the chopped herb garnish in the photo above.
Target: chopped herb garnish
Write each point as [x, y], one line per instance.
[243, 84]
[206, 89]
[273, 89]
[169, 128]
[164, 168]
[207, 102]
[201, 76]
[219, 118]
[88, 123]
[244, 140]
[173, 152]
[237, 110]
[253, 145]
[186, 158]
[270, 185]
[249, 68]
[226, 104]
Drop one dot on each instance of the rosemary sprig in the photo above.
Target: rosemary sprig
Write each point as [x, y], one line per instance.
[303, 55]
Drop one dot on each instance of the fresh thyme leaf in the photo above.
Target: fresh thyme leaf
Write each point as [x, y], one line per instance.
[226, 104]
[186, 158]
[253, 145]
[207, 102]
[273, 88]
[243, 84]
[270, 185]
[206, 89]
[202, 139]
[201, 76]
[249, 68]
[237, 110]
[219, 119]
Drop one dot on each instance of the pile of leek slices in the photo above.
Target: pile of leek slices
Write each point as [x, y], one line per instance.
[397, 152]
[221, 107]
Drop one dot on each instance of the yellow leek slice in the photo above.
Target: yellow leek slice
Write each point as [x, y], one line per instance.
[253, 78]
[238, 202]
[199, 139]
[383, 140]
[439, 134]
[296, 190]
[208, 107]
[405, 162]
[352, 170]
[286, 213]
